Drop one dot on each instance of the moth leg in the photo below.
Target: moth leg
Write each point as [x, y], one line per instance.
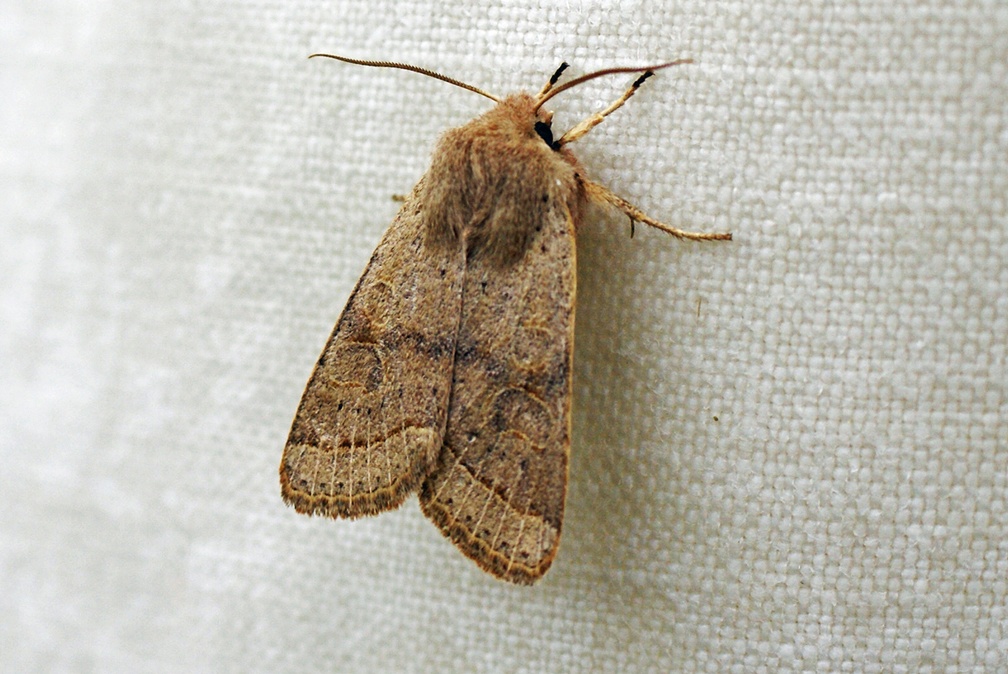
[553, 80]
[601, 194]
[591, 122]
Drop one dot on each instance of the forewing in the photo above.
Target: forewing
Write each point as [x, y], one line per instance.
[499, 485]
[371, 422]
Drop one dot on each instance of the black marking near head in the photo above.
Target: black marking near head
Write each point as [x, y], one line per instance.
[545, 132]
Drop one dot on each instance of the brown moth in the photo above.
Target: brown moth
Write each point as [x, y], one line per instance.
[449, 371]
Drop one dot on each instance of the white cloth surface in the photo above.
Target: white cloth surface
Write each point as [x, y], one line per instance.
[790, 452]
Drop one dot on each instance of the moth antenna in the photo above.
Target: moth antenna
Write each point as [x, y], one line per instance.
[412, 69]
[553, 80]
[550, 93]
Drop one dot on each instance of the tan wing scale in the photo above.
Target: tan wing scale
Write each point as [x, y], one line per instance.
[371, 422]
[499, 485]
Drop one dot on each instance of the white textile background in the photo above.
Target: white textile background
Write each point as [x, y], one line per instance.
[790, 452]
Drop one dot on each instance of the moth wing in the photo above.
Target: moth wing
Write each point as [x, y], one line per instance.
[499, 485]
[371, 421]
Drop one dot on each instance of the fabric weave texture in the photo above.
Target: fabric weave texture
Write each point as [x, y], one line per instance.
[790, 452]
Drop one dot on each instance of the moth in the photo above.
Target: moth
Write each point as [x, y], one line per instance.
[449, 370]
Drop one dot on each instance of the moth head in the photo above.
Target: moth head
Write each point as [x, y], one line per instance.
[518, 120]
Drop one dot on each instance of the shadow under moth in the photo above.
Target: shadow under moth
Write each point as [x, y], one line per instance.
[449, 370]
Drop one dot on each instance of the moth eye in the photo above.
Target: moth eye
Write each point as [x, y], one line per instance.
[545, 132]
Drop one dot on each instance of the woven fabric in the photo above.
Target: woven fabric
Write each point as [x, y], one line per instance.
[790, 452]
